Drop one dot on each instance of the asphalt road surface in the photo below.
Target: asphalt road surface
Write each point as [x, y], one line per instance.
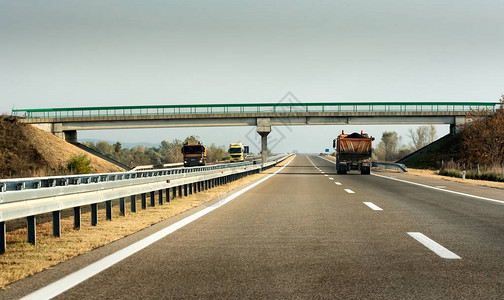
[309, 233]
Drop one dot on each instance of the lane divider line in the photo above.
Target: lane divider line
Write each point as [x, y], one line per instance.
[433, 187]
[433, 246]
[338, 183]
[58, 287]
[330, 178]
[349, 191]
[372, 206]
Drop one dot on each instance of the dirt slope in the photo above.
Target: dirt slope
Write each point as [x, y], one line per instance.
[28, 151]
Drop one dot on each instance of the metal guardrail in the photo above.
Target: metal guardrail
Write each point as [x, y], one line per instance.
[111, 111]
[151, 167]
[28, 197]
[391, 166]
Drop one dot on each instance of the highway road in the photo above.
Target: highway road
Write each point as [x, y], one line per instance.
[306, 232]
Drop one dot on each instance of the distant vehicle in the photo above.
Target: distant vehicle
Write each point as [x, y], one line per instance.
[353, 152]
[237, 152]
[194, 154]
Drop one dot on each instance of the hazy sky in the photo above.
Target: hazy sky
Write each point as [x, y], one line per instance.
[100, 53]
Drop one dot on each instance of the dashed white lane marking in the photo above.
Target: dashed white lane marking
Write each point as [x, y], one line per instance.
[330, 178]
[338, 183]
[433, 187]
[349, 191]
[372, 206]
[433, 246]
[58, 287]
[326, 175]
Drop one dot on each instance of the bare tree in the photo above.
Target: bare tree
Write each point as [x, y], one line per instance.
[388, 147]
[422, 136]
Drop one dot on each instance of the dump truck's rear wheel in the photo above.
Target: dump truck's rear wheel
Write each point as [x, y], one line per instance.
[341, 168]
[365, 170]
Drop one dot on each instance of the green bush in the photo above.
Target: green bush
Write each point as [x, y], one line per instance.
[79, 164]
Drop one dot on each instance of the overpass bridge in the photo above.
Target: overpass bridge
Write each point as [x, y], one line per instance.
[65, 122]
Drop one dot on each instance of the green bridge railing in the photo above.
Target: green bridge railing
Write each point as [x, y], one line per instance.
[76, 112]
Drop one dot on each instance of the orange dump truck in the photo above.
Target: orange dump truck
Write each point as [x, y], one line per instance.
[194, 155]
[353, 152]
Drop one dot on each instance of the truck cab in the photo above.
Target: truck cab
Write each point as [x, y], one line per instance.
[237, 152]
[194, 155]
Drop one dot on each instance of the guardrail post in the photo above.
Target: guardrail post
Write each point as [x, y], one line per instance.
[77, 217]
[190, 188]
[144, 200]
[160, 196]
[56, 225]
[205, 185]
[133, 203]
[94, 214]
[108, 210]
[152, 198]
[31, 229]
[180, 191]
[167, 194]
[174, 192]
[122, 210]
[3, 240]
[185, 190]
[199, 186]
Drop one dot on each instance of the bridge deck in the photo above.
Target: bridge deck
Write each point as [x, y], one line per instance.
[246, 109]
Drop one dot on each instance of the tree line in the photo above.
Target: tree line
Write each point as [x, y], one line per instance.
[483, 136]
[167, 152]
[391, 147]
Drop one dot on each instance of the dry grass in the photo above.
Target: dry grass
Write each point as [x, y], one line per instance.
[56, 152]
[434, 174]
[23, 259]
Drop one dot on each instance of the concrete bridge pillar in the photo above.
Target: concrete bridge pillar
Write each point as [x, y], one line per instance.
[264, 128]
[458, 122]
[57, 129]
[70, 136]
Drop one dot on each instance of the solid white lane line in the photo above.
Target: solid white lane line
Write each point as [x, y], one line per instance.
[440, 189]
[372, 206]
[338, 183]
[433, 246]
[330, 178]
[58, 287]
[433, 187]
[349, 191]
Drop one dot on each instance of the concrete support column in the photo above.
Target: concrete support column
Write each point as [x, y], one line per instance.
[70, 136]
[457, 124]
[57, 130]
[264, 128]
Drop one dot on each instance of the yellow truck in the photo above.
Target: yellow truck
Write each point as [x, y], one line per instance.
[237, 152]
